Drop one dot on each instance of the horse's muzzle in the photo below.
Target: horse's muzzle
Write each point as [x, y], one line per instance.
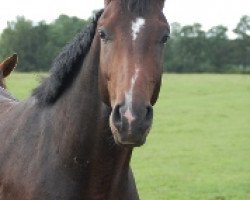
[130, 125]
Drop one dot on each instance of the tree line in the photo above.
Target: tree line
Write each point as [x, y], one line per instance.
[38, 44]
[190, 49]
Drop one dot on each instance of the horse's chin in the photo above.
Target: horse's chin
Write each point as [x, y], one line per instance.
[125, 143]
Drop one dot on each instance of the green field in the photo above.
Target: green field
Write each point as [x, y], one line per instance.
[199, 148]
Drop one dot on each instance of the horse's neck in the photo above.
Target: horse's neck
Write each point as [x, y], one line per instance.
[85, 136]
[109, 164]
[109, 173]
[76, 113]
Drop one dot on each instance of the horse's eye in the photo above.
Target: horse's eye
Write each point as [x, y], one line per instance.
[165, 39]
[103, 35]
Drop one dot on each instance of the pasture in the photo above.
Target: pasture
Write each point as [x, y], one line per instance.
[199, 147]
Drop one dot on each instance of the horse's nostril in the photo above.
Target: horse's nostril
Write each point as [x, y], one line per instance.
[149, 113]
[117, 117]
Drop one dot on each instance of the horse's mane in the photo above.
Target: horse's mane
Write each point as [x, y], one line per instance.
[67, 65]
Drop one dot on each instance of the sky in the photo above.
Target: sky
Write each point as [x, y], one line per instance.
[207, 12]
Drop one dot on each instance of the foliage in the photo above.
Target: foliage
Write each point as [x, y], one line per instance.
[37, 45]
[243, 41]
[190, 48]
[193, 50]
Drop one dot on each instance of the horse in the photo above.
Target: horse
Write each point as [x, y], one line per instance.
[6, 67]
[73, 138]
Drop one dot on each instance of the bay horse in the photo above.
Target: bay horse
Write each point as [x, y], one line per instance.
[6, 67]
[73, 138]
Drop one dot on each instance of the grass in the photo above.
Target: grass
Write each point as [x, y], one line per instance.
[21, 84]
[199, 147]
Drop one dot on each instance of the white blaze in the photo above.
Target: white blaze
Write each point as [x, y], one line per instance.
[129, 94]
[137, 26]
[129, 98]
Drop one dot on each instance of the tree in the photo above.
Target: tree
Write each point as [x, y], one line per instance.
[243, 27]
[37, 45]
[242, 31]
[218, 49]
[62, 30]
[18, 37]
[187, 49]
[219, 32]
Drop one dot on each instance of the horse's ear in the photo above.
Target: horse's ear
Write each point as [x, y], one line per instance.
[8, 65]
[106, 2]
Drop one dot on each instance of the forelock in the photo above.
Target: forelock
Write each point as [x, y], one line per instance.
[140, 7]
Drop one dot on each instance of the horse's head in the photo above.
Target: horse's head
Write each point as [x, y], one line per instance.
[6, 68]
[132, 34]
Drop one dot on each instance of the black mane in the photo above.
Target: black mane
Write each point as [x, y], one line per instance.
[67, 65]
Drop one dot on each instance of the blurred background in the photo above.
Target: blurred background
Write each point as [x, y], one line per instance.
[199, 147]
